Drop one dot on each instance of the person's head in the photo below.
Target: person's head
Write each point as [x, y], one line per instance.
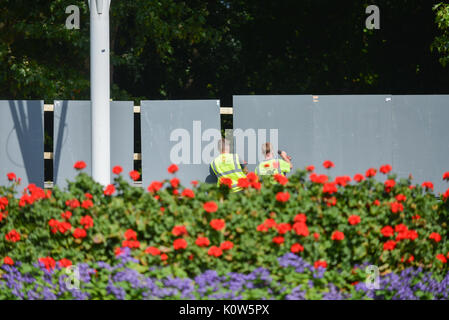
[267, 149]
[224, 146]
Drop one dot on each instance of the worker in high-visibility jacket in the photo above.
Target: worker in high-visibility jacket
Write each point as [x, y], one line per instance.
[271, 166]
[227, 165]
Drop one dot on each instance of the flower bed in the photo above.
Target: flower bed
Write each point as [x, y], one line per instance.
[333, 224]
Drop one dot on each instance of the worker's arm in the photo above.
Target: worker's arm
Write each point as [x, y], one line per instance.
[287, 158]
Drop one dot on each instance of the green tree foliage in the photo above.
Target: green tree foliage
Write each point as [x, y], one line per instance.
[441, 43]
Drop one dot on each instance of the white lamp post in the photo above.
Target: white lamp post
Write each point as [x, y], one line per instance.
[100, 90]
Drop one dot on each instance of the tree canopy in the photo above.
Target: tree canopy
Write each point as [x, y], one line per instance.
[170, 49]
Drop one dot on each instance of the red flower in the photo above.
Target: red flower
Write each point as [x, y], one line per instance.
[243, 183]
[387, 231]
[74, 203]
[332, 201]
[226, 182]
[12, 236]
[87, 222]
[252, 177]
[310, 168]
[389, 184]
[270, 223]
[172, 168]
[188, 193]
[354, 219]
[342, 181]
[215, 251]
[63, 227]
[328, 164]
[118, 251]
[389, 245]
[8, 260]
[300, 217]
[446, 176]
[194, 183]
[396, 207]
[320, 264]
[217, 224]
[371, 172]
[153, 251]
[88, 195]
[296, 247]
[155, 186]
[87, 204]
[3, 203]
[175, 192]
[385, 168]
[79, 233]
[79, 165]
[130, 235]
[442, 258]
[278, 240]
[427, 185]
[316, 235]
[435, 236]
[329, 188]
[134, 175]
[401, 228]
[262, 228]
[281, 179]
[446, 195]
[109, 190]
[401, 198]
[179, 244]
[174, 182]
[64, 263]
[66, 215]
[321, 179]
[283, 228]
[210, 207]
[117, 170]
[132, 244]
[256, 185]
[282, 196]
[179, 231]
[376, 202]
[409, 260]
[358, 177]
[11, 176]
[337, 236]
[227, 245]
[301, 229]
[416, 217]
[164, 257]
[202, 242]
[47, 262]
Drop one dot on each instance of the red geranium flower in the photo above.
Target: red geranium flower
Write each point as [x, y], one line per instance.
[329, 188]
[79, 233]
[132, 244]
[371, 172]
[164, 257]
[252, 177]
[74, 203]
[63, 227]
[396, 207]
[202, 242]
[3, 203]
[174, 182]
[301, 229]
[109, 190]
[64, 263]
[358, 177]
[188, 193]
[155, 186]
[401, 198]
[389, 184]
[278, 240]
[172, 168]
[66, 215]
[321, 179]
[337, 235]
[179, 231]
[283, 228]
[9, 261]
[134, 175]
[210, 207]
[88, 195]
[87, 204]
[409, 260]
[194, 183]
[117, 170]
[354, 219]
[48, 262]
[79, 165]
[179, 244]
[300, 217]
[328, 164]
[296, 247]
[215, 251]
[217, 224]
[387, 231]
[227, 245]
[87, 222]
[153, 251]
[320, 264]
[427, 185]
[226, 182]
[342, 181]
[442, 258]
[12, 236]
[310, 168]
[376, 202]
[389, 245]
[281, 179]
[446, 176]
[243, 183]
[11, 176]
[435, 236]
[316, 235]
[282, 196]
[130, 235]
[385, 168]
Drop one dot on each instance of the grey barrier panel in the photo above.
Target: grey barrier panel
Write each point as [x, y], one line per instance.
[73, 138]
[290, 115]
[353, 131]
[421, 138]
[162, 119]
[22, 141]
